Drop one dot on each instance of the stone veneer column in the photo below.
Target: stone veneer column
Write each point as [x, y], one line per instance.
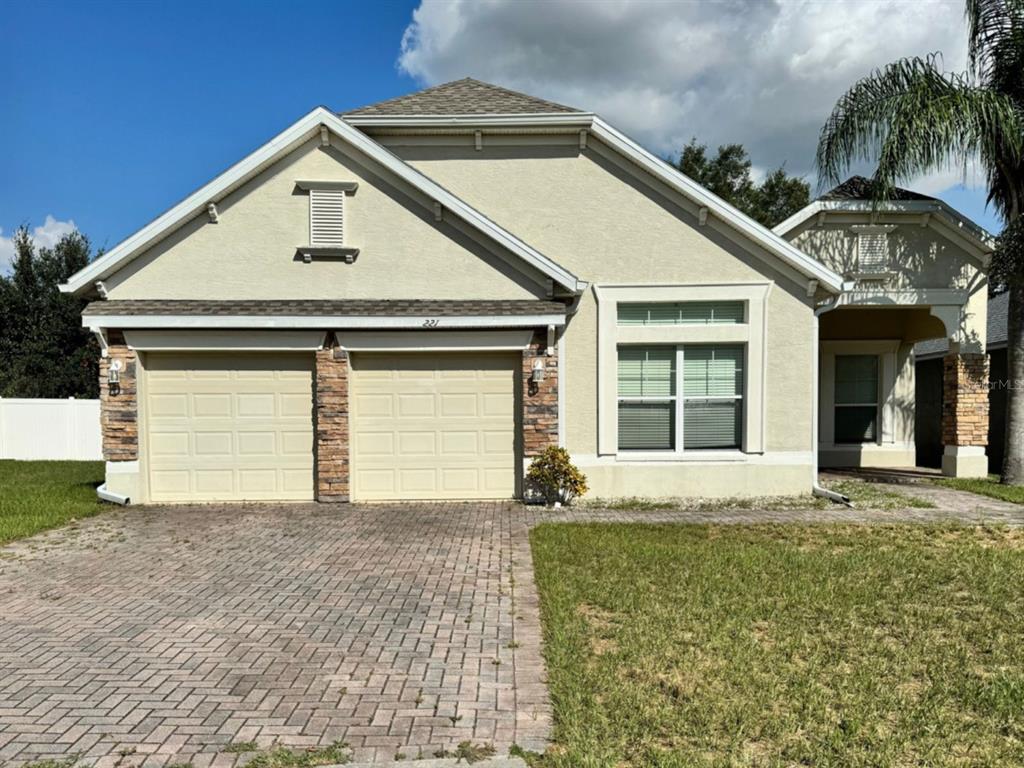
[965, 415]
[540, 401]
[119, 403]
[331, 450]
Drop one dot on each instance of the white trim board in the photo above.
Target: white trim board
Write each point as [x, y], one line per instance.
[224, 341]
[434, 341]
[95, 322]
[302, 130]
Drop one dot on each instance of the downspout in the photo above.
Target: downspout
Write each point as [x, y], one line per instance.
[113, 498]
[817, 489]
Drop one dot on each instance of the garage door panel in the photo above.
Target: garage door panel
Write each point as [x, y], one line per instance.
[225, 427]
[433, 426]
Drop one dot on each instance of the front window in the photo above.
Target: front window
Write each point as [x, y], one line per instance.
[681, 313]
[856, 399]
[709, 411]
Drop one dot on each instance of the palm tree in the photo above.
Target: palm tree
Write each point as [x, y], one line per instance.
[911, 117]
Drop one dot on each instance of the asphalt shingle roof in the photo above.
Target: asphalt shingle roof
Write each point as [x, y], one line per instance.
[859, 188]
[995, 332]
[462, 97]
[313, 308]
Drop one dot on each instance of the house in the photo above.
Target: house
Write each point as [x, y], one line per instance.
[928, 363]
[412, 299]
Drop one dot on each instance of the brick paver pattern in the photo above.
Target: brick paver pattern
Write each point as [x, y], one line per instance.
[174, 631]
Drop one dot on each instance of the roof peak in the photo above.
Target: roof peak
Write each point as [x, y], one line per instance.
[861, 187]
[467, 96]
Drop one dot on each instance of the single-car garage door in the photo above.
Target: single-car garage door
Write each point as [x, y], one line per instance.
[433, 426]
[229, 427]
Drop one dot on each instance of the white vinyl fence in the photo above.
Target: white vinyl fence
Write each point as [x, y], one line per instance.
[50, 429]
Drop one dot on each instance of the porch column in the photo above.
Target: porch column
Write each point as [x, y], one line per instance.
[331, 446]
[540, 399]
[965, 415]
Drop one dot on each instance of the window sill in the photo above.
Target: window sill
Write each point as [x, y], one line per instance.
[307, 253]
[683, 457]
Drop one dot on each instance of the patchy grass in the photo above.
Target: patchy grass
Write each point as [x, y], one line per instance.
[37, 495]
[467, 751]
[985, 486]
[853, 646]
[862, 494]
[282, 757]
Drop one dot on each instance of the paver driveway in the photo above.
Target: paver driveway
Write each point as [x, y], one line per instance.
[175, 631]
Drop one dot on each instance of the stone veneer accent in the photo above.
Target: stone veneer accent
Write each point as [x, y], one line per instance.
[965, 400]
[331, 447]
[540, 401]
[119, 403]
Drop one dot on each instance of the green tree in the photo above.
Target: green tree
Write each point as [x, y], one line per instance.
[912, 117]
[44, 350]
[727, 174]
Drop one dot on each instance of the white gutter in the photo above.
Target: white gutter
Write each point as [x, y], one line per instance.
[113, 498]
[816, 489]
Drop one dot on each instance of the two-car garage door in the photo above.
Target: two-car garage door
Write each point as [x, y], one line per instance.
[231, 426]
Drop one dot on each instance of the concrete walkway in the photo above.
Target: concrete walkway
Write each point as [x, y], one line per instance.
[176, 631]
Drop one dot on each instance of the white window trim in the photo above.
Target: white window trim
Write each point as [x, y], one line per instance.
[751, 334]
[886, 350]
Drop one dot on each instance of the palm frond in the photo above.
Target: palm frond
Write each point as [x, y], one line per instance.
[912, 118]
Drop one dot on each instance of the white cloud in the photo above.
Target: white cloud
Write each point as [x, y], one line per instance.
[44, 236]
[764, 74]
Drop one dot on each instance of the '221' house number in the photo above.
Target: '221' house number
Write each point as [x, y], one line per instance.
[431, 323]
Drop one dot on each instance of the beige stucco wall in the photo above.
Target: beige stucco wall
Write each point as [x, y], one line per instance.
[250, 253]
[611, 224]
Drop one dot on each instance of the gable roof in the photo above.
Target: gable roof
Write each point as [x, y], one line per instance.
[571, 119]
[299, 132]
[860, 188]
[854, 196]
[463, 97]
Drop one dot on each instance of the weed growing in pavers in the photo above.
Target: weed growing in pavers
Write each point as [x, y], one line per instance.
[455, 718]
[337, 753]
[512, 644]
[67, 762]
[468, 751]
[237, 747]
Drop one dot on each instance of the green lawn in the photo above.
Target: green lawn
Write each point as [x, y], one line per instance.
[986, 486]
[36, 495]
[680, 645]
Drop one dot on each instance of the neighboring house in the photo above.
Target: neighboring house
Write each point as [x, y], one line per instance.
[928, 356]
[411, 300]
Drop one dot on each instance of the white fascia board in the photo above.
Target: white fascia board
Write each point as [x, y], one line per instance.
[536, 120]
[291, 137]
[759, 234]
[335, 321]
[981, 238]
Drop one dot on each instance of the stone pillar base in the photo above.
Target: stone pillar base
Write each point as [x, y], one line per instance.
[123, 477]
[964, 461]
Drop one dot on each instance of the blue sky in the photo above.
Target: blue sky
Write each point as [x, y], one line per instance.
[114, 111]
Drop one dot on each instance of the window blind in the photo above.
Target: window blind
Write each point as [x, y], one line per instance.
[681, 313]
[856, 399]
[647, 387]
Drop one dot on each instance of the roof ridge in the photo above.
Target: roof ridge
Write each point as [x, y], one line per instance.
[464, 96]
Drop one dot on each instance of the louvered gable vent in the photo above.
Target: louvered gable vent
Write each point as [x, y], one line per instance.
[872, 251]
[326, 217]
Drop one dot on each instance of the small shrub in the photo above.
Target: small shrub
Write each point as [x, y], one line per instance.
[555, 478]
